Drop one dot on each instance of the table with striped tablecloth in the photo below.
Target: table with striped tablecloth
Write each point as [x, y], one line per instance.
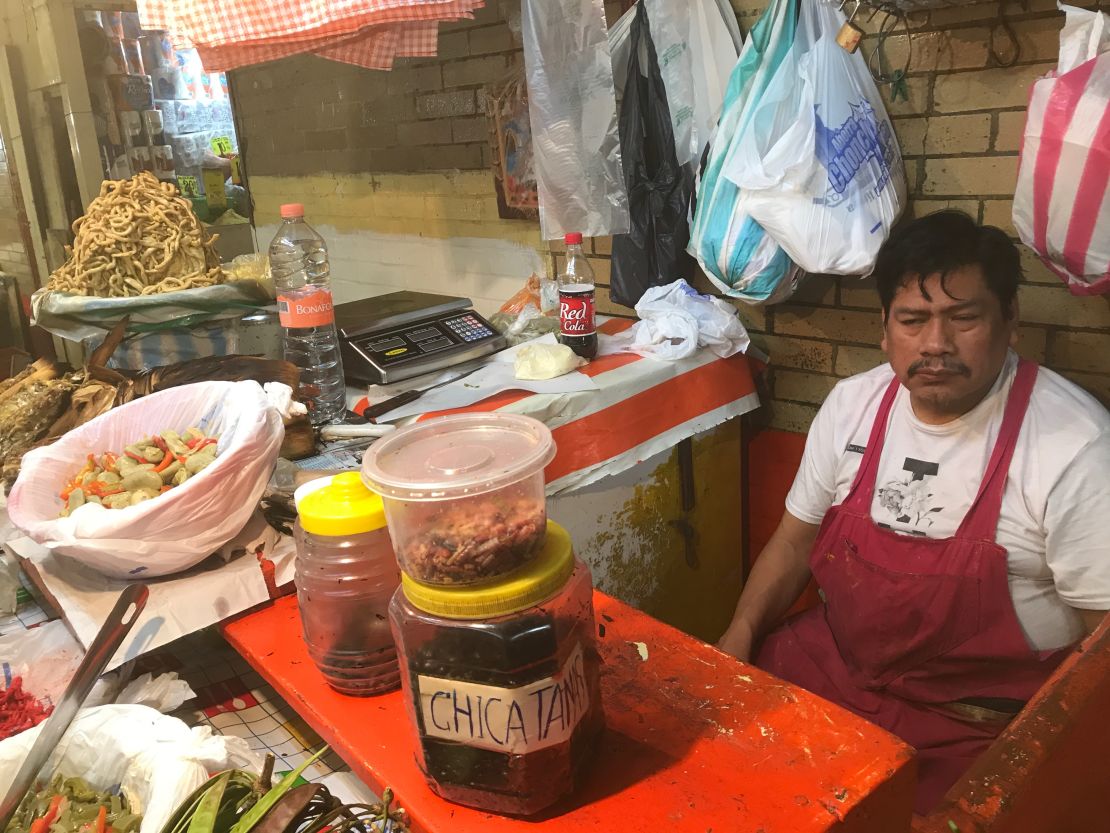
[642, 407]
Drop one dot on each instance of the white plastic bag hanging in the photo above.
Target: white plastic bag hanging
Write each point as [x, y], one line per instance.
[698, 43]
[1062, 199]
[173, 531]
[819, 168]
[573, 111]
[734, 251]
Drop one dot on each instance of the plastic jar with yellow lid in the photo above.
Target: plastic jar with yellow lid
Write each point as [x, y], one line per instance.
[502, 681]
[346, 574]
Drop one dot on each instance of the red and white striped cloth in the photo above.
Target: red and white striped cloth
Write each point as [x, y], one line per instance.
[641, 408]
[368, 33]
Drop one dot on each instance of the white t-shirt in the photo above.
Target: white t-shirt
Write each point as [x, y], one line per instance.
[1055, 519]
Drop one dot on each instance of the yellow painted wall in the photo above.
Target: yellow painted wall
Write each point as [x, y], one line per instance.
[441, 205]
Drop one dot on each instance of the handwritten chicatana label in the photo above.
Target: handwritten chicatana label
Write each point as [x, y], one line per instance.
[511, 720]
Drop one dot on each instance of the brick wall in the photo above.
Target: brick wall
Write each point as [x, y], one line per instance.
[960, 131]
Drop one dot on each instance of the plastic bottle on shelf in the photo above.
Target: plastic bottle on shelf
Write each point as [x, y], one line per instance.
[299, 265]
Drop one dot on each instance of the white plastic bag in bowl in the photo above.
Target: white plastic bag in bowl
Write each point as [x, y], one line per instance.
[156, 760]
[176, 530]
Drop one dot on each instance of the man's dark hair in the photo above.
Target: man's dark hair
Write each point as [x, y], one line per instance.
[942, 242]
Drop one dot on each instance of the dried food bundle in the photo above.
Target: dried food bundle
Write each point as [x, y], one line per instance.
[139, 237]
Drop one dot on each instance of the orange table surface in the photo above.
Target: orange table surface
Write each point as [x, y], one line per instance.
[695, 741]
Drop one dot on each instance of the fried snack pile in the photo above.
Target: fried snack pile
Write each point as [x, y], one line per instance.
[139, 237]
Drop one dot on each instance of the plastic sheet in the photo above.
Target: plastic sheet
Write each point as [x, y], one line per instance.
[573, 109]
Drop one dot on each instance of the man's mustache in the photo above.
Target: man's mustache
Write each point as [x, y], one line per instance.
[941, 365]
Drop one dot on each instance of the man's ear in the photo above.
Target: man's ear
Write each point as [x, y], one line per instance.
[1015, 318]
[882, 341]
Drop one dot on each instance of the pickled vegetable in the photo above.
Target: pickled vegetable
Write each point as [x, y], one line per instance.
[70, 805]
[144, 471]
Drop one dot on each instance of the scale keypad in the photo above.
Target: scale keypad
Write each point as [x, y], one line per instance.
[469, 328]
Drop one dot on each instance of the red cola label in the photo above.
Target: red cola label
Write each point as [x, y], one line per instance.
[576, 311]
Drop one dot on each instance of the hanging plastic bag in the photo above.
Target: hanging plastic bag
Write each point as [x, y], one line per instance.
[178, 529]
[698, 43]
[653, 253]
[1062, 200]
[820, 169]
[573, 112]
[734, 251]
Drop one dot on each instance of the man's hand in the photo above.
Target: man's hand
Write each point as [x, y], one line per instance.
[738, 640]
[778, 578]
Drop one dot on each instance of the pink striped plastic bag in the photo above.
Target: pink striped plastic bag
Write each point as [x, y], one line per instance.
[1062, 200]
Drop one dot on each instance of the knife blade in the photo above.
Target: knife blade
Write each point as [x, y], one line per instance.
[382, 408]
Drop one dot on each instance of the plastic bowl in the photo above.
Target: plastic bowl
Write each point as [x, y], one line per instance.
[463, 495]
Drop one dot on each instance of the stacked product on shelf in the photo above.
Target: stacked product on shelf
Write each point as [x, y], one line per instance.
[157, 109]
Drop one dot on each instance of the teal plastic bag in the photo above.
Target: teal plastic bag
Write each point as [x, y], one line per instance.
[737, 255]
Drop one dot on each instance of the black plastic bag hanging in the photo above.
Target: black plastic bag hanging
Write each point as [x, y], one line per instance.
[653, 253]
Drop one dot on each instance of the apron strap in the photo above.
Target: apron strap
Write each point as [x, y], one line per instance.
[859, 496]
[981, 521]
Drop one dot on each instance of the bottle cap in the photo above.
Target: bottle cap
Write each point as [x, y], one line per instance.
[573, 238]
[527, 586]
[345, 507]
[292, 209]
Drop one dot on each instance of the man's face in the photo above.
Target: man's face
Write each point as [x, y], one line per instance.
[949, 347]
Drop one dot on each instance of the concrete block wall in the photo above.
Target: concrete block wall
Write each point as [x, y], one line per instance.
[368, 143]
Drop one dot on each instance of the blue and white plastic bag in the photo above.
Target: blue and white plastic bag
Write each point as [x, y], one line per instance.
[818, 164]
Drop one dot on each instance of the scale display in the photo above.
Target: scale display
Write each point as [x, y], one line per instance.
[405, 334]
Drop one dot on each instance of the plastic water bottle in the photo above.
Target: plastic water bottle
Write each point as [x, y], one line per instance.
[299, 265]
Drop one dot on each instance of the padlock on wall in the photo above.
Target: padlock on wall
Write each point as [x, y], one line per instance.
[850, 34]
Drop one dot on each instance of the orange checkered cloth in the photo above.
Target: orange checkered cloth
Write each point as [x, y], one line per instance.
[368, 33]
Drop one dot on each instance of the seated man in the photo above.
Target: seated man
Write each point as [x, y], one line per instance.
[950, 505]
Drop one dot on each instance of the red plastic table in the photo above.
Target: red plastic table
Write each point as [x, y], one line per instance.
[696, 741]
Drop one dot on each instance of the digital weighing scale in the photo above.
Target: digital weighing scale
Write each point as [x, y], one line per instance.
[397, 336]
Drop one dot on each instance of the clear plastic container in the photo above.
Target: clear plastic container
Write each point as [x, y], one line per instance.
[464, 494]
[501, 682]
[346, 574]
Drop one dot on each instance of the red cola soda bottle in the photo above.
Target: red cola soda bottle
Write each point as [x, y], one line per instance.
[576, 301]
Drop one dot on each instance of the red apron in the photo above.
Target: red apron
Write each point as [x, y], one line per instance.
[910, 623]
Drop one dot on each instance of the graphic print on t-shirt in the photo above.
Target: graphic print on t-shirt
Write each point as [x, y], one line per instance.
[908, 500]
